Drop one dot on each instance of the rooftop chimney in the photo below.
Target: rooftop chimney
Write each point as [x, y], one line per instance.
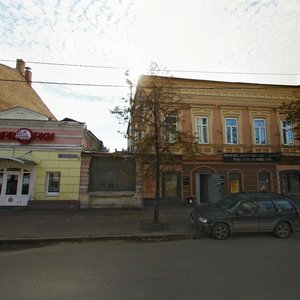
[25, 71]
[21, 66]
[28, 75]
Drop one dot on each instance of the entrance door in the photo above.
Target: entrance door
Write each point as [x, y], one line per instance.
[12, 187]
[208, 188]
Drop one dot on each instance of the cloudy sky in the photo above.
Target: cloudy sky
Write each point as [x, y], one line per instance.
[95, 41]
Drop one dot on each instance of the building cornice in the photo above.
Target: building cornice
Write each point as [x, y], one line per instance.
[41, 124]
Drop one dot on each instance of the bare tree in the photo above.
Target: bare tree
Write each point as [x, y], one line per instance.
[155, 118]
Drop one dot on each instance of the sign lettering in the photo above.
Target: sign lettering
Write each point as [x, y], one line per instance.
[25, 136]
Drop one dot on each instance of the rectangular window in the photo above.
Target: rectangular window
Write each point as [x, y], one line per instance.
[260, 132]
[287, 133]
[201, 124]
[170, 185]
[53, 182]
[171, 129]
[231, 130]
[265, 207]
[290, 183]
[25, 183]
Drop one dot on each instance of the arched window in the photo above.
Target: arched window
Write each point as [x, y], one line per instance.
[235, 182]
[263, 180]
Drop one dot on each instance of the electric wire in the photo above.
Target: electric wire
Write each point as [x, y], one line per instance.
[168, 70]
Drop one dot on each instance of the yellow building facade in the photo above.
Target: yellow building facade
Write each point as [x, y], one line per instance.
[40, 160]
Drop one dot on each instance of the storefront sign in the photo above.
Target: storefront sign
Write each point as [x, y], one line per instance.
[25, 136]
[251, 157]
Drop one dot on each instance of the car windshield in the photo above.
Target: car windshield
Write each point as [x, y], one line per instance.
[228, 204]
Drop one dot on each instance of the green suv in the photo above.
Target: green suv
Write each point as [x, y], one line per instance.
[247, 212]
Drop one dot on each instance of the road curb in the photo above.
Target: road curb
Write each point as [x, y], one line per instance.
[141, 237]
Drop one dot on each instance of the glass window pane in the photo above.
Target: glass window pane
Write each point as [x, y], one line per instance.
[290, 183]
[265, 206]
[287, 133]
[53, 182]
[294, 183]
[202, 129]
[228, 135]
[264, 182]
[25, 183]
[231, 131]
[170, 185]
[283, 205]
[12, 184]
[205, 135]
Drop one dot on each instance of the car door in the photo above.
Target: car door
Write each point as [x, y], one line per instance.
[245, 219]
[267, 215]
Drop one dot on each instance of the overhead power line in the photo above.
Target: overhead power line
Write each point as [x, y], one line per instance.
[69, 65]
[168, 70]
[68, 83]
[265, 87]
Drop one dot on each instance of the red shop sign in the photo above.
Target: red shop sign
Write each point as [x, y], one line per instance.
[25, 135]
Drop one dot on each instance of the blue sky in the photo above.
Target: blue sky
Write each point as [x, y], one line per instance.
[236, 40]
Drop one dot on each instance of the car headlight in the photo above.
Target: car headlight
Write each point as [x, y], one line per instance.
[203, 220]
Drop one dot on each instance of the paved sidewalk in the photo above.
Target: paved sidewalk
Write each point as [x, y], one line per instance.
[23, 225]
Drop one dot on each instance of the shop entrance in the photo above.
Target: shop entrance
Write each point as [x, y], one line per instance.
[14, 187]
[208, 188]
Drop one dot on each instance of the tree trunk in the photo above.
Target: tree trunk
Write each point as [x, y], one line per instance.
[157, 167]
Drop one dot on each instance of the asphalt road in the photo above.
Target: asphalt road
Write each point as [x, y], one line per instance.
[242, 267]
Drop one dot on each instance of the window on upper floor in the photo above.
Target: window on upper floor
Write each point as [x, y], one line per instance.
[260, 132]
[201, 128]
[231, 125]
[171, 129]
[287, 133]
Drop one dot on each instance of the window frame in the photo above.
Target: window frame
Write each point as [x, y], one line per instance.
[264, 181]
[235, 183]
[165, 184]
[203, 129]
[48, 185]
[261, 130]
[287, 184]
[171, 137]
[287, 130]
[230, 127]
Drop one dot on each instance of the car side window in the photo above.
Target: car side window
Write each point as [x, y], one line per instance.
[266, 206]
[283, 205]
[247, 208]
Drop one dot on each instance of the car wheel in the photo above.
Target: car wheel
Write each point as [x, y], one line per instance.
[282, 230]
[220, 231]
